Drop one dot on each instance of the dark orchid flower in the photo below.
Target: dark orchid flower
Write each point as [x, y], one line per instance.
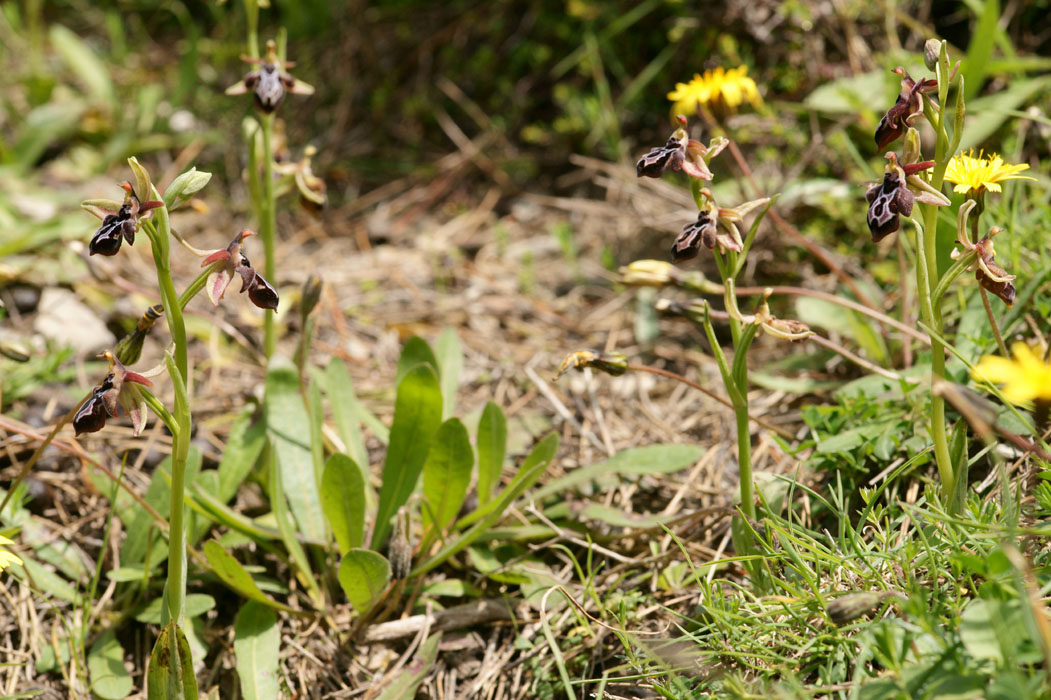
[703, 231]
[991, 276]
[680, 153]
[908, 106]
[121, 387]
[894, 197]
[120, 221]
[269, 82]
[260, 292]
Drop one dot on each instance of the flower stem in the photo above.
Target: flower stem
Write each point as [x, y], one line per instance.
[926, 260]
[267, 228]
[160, 237]
[992, 322]
[744, 459]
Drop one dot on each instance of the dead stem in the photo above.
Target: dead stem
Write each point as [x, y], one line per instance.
[709, 393]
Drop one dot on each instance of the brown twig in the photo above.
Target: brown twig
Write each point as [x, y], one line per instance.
[710, 394]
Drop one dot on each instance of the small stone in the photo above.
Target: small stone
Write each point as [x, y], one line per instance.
[63, 318]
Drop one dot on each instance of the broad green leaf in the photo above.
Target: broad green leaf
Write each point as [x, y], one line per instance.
[345, 411]
[43, 580]
[170, 675]
[243, 446]
[257, 640]
[109, 679]
[196, 604]
[404, 687]
[317, 417]
[287, 528]
[446, 474]
[230, 572]
[654, 459]
[45, 125]
[492, 446]
[988, 113]
[417, 415]
[343, 498]
[288, 424]
[981, 48]
[849, 94]
[363, 575]
[531, 470]
[450, 365]
[416, 351]
[90, 70]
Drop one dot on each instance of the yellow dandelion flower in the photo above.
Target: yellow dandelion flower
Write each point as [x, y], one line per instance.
[719, 90]
[977, 173]
[1025, 377]
[6, 557]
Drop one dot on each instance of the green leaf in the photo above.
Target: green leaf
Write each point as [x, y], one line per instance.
[243, 447]
[343, 498]
[109, 679]
[981, 48]
[316, 415]
[446, 474]
[847, 95]
[257, 639]
[417, 414]
[416, 351]
[184, 187]
[195, 604]
[405, 685]
[363, 575]
[170, 675]
[988, 113]
[654, 459]
[288, 425]
[531, 470]
[231, 573]
[492, 447]
[450, 365]
[90, 70]
[346, 411]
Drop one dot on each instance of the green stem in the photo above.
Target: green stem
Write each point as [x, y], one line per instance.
[160, 237]
[925, 285]
[744, 459]
[267, 228]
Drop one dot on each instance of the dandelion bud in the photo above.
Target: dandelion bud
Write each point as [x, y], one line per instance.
[648, 273]
[932, 51]
[311, 294]
[854, 605]
[613, 363]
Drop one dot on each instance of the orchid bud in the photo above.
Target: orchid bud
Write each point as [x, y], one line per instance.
[932, 50]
